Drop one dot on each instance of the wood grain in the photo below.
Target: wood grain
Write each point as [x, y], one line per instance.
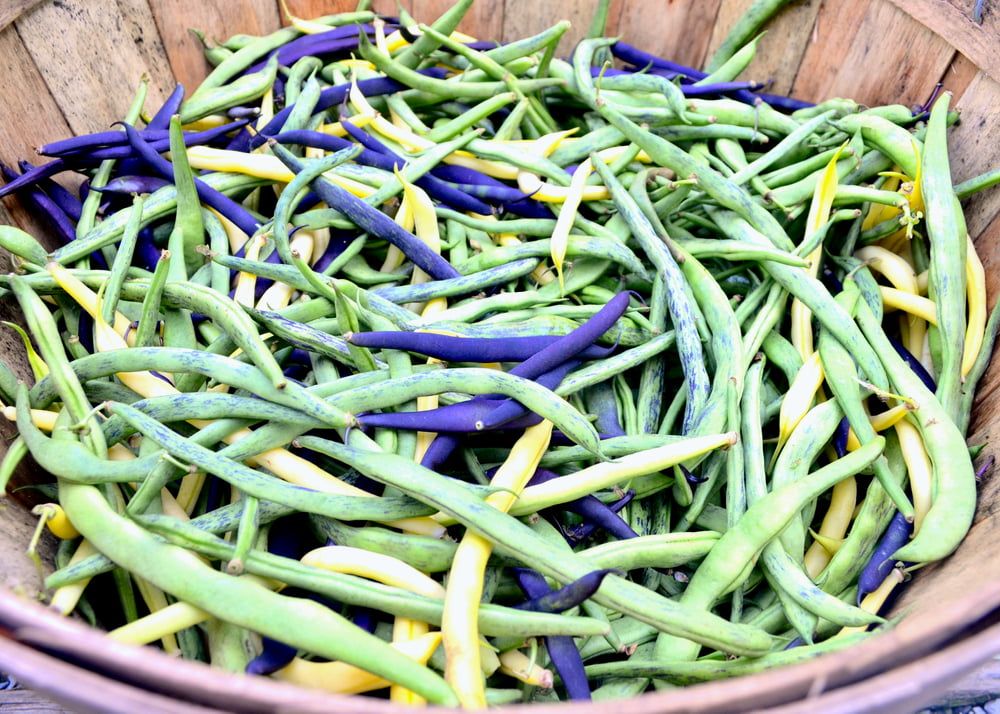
[973, 148]
[865, 50]
[315, 8]
[97, 67]
[959, 74]
[528, 17]
[780, 51]
[218, 19]
[484, 19]
[12, 9]
[31, 117]
[675, 29]
[952, 20]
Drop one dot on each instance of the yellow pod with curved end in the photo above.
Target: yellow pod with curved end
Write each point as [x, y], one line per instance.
[900, 273]
[519, 666]
[87, 299]
[56, 521]
[880, 422]
[835, 523]
[911, 303]
[374, 566]
[873, 601]
[341, 678]
[156, 625]
[306, 27]
[246, 283]
[460, 618]
[918, 468]
[975, 331]
[42, 418]
[798, 399]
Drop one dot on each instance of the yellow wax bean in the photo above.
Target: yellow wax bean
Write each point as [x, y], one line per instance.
[874, 600]
[908, 302]
[975, 332]
[799, 398]
[341, 678]
[519, 666]
[819, 214]
[835, 523]
[460, 619]
[156, 625]
[919, 469]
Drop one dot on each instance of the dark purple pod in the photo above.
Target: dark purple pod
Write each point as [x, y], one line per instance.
[463, 349]
[914, 364]
[700, 90]
[783, 103]
[43, 207]
[335, 40]
[210, 196]
[640, 58]
[568, 596]
[562, 650]
[67, 202]
[30, 178]
[881, 563]
[161, 120]
[594, 512]
[372, 220]
[840, 438]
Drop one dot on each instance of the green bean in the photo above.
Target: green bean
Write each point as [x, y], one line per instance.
[895, 142]
[150, 318]
[208, 100]
[304, 624]
[513, 538]
[653, 551]
[954, 501]
[977, 183]
[978, 368]
[948, 240]
[427, 554]
[494, 620]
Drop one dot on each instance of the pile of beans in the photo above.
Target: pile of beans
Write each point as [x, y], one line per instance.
[392, 360]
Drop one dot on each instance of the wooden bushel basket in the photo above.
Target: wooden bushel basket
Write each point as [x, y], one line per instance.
[70, 66]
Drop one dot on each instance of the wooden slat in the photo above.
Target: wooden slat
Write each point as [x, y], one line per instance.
[315, 8]
[218, 19]
[484, 19]
[12, 9]
[31, 117]
[952, 20]
[780, 51]
[526, 17]
[92, 54]
[959, 74]
[678, 30]
[974, 149]
[873, 52]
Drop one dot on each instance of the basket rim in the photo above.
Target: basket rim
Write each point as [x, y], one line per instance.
[923, 634]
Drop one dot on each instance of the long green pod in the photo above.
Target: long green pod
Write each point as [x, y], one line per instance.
[731, 561]
[305, 624]
[514, 539]
[954, 501]
[948, 247]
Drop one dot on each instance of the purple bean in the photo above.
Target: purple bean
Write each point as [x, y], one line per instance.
[463, 349]
[330, 97]
[914, 364]
[115, 144]
[208, 195]
[840, 438]
[510, 410]
[387, 161]
[985, 467]
[880, 564]
[373, 221]
[67, 202]
[161, 120]
[585, 530]
[562, 650]
[640, 58]
[44, 207]
[30, 178]
[593, 511]
[134, 184]
[568, 596]
[336, 39]
[273, 656]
